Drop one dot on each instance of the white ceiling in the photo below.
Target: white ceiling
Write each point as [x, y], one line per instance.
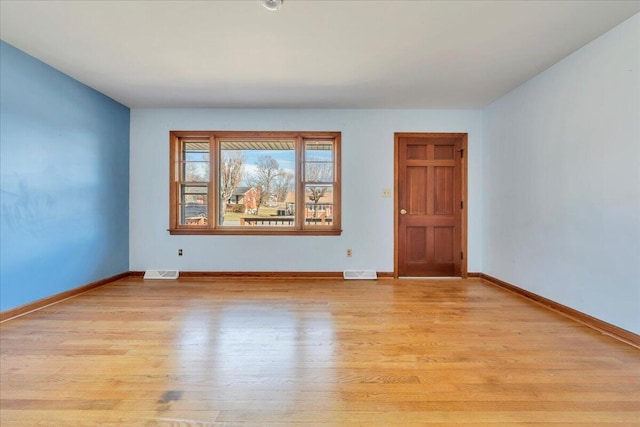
[310, 54]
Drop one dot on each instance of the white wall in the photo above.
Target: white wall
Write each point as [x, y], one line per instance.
[367, 168]
[562, 181]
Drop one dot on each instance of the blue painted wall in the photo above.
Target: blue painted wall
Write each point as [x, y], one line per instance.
[64, 182]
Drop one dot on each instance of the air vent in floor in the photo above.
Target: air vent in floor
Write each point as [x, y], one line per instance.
[360, 275]
[161, 274]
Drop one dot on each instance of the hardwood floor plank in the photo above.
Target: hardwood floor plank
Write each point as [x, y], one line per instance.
[203, 352]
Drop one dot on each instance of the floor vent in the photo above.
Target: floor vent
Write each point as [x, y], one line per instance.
[161, 274]
[360, 275]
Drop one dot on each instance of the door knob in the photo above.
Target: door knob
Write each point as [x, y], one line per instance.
[403, 211]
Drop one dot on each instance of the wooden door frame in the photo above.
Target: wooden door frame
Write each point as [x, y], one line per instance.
[463, 188]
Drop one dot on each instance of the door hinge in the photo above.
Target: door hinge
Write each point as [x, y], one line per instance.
[461, 153]
[461, 255]
[461, 204]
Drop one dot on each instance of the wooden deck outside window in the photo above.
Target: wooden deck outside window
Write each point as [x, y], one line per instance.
[260, 183]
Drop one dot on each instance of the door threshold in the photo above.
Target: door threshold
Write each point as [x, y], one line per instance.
[431, 278]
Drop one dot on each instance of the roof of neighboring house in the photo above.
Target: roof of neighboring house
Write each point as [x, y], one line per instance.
[240, 191]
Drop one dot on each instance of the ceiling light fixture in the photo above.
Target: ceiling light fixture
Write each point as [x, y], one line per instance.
[272, 4]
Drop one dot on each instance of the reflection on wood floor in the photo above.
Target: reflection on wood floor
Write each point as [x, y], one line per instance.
[199, 352]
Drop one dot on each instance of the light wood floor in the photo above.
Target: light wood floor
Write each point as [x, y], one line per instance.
[311, 353]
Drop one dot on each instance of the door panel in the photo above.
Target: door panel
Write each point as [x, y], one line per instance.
[443, 187]
[417, 200]
[417, 241]
[429, 196]
[443, 244]
[443, 152]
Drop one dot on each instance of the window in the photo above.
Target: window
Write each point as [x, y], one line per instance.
[255, 183]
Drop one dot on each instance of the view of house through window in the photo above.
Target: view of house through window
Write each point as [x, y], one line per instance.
[257, 183]
[243, 182]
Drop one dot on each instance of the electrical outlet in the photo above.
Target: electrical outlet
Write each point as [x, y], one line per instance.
[179, 252]
[386, 192]
[349, 253]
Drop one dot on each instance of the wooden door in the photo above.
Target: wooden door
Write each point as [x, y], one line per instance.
[430, 204]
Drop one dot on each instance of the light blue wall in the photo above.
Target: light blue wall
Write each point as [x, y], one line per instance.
[64, 182]
[562, 181]
[367, 169]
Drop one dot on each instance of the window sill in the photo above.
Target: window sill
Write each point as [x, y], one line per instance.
[256, 232]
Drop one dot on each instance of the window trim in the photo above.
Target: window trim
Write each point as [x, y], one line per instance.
[213, 228]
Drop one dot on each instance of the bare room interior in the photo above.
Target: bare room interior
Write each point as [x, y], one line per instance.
[313, 212]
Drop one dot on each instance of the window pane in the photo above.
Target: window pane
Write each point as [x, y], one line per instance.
[193, 205]
[195, 172]
[318, 151]
[195, 161]
[257, 183]
[196, 157]
[195, 151]
[318, 205]
[318, 172]
[318, 156]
